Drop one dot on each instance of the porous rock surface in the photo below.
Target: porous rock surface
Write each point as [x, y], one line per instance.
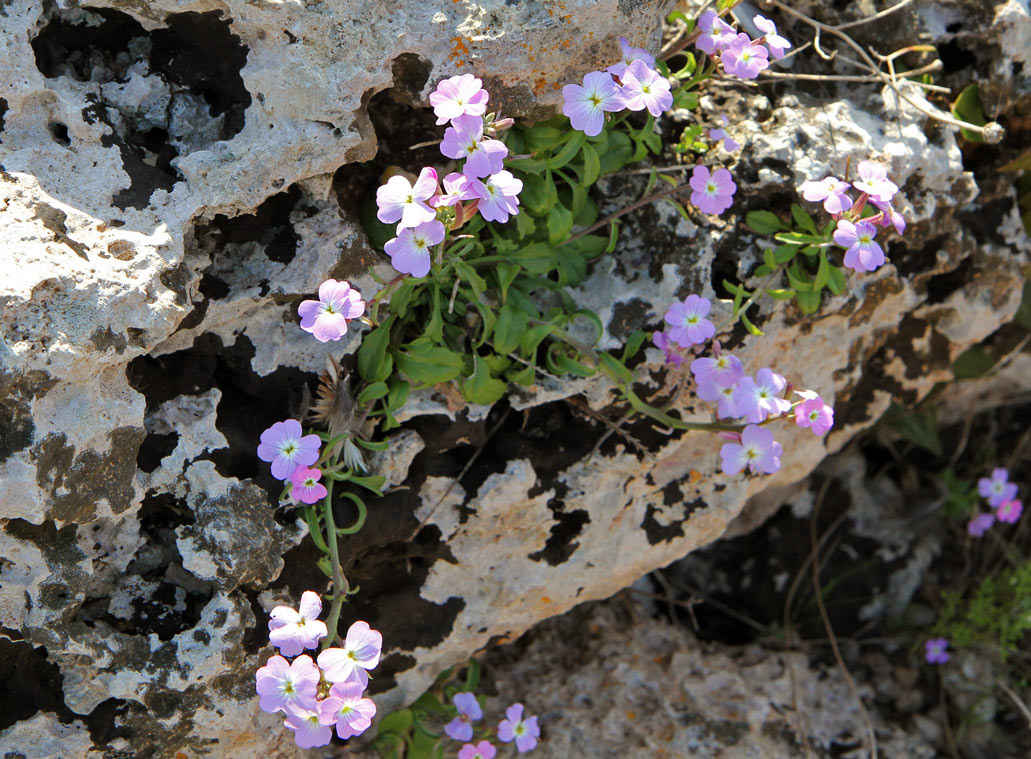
[168, 195]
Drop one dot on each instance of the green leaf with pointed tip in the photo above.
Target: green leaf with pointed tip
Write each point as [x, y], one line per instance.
[430, 367]
[509, 329]
[803, 219]
[480, 387]
[763, 222]
[836, 281]
[506, 274]
[569, 151]
[373, 361]
[560, 222]
[808, 300]
[592, 165]
[372, 392]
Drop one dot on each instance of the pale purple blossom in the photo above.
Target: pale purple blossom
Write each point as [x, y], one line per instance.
[831, 190]
[524, 731]
[934, 651]
[585, 106]
[1010, 511]
[873, 180]
[717, 34]
[743, 59]
[979, 525]
[758, 451]
[307, 488]
[482, 750]
[815, 414]
[645, 88]
[890, 216]
[663, 343]
[309, 732]
[498, 194]
[723, 396]
[712, 193]
[284, 445]
[327, 317]
[458, 96]
[774, 41]
[410, 251]
[862, 253]
[759, 398]
[464, 139]
[360, 652]
[460, 728]
[729, 143]
[293, 630]
[724, 370]
[997, 488]
[400, 200]
[456, 189]
[688, 325]
[345, 708]
[281, 684]
[630, 54]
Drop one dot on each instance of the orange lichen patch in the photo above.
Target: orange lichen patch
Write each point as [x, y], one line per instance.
[539, 83]
[631, 715]
[695, 475]
[556, 86]
[545, 600]
[532, 58]
[458, 48]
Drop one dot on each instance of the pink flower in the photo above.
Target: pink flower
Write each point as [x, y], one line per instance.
[757, 399]
[360, 652]
[873, 180]
[743, 59]
[482, 750]
[717, 33]
[644, 88]
[307, 488]
[1010, 511]
[688, 325]
[308, 731]
[400, 200]
[283, 445]
[630, 54]
[499, 196]
[525, 732]
[668, 347]
[345, 708]
[935, 651]
[458, 96]
[281, 684]
[465, 140]
[979, 525]
[460, 728]
[774, 41]
[890, 216]
[862, 253]
[758, 451]
[722, 395]
[327, 317]
[712, 193]
[456, 189]
[585, 106]
[831, 190]
[410, 251]
[729, 143]
[293, 631]
[815, 414]
[724, 370]
[997, 489]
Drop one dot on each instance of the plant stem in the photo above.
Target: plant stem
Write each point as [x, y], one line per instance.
[340, 586]
[632, 207]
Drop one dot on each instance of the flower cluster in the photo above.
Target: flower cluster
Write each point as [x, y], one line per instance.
[1002, 496]
[316, 696]
[524, 731]
[482, 185]
[721, 379]
[856, 233]
[736, 52]
[292, 453]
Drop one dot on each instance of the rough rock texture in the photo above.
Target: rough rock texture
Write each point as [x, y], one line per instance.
[165, 207]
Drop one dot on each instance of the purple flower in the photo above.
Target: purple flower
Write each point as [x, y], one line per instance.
[774, 41]
[743, 59]
[482, 750]
[293, 631]
[525, 732]
[460, 728]
[758, 451]
[998, 488]
[1010, 511]
[729, 143]
[499, 196]
[712, 193]
[717, 34]
[862, 253]
[831, 190]
[399, 200]
[307, 488]
[410, 251]
[361, 651]
[935, 651]
[890, 216]
[688, 325]
[630, 54]
[308, 731]
[465, 140]
[667, 346]
[723, 396]
[283, 445]
[458, 96]
[757, 399]
[724, 370]
[814, 414]
[327, 317]
[345, 708]
[456, 189]
[644, 88]
[585, 106]
[873, 180]
[979, 525]
[282, 684]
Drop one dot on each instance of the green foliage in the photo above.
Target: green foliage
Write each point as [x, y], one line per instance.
[997, 614]
[917, 426]
[968, 108]
[960, 495]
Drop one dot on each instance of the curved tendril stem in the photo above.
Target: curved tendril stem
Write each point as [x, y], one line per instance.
[340, 586]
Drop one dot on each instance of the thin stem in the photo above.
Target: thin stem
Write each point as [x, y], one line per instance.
[730, 320]
[632, 207]
[340, 586]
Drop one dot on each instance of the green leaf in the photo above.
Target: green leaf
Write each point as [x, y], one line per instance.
[798, 280]
[432, 366]
[763, 222]
[768, 258]
[614, 369]
[539, 194]
[1023, 315]
[435, 327]
[799, 239]
[373, 483]
[972, 363]
[823, 273]
[1020, 163]
[524, 376]
[537, 257]
[617, 154]
[589, 246]
[559, 362]
[480, 387]
[560, 223]
[472, 676]
[781, 294]
[592, 165]
[525, 225]
[396, 722]
[803, 219]
[372, 392]
[533, 337]
[836, 281]
[372, 445]
[968, 108]
[569, 151]
[506, 274]
[639, 405]
[919, 427]
[373, 363]
[762, 270]
[784, 253]
[402, 296]
[468, 273]
[430, 702]
[572, 266]
[633, 344]
[613, 236]
[510, 328]
[529, 165]
[398, 395]
[542, 137]
[808, 300]
[749, 326]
